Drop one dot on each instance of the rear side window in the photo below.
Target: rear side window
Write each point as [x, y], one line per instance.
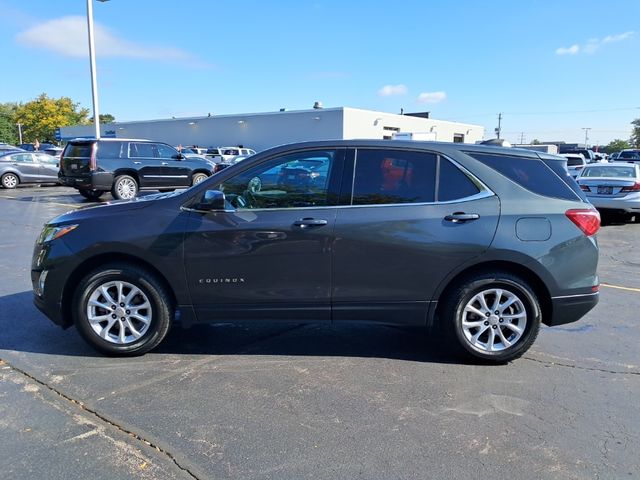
[142, 150]
[533, 174]
[109, 150]
[394, 176]
[81, 150]
[454, 184]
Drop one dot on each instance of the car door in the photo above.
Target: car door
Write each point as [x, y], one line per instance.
[404, 231]
[27, 166]
[269, 255]
[149, 167]
[176, 172]
[48, 167]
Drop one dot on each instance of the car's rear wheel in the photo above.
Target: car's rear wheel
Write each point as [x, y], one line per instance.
[124, 187]
[198, 177]
[10, 180]
[493, 316]
[92, 195]
[120, 309]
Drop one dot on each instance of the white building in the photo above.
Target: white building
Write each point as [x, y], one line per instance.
[264, 130]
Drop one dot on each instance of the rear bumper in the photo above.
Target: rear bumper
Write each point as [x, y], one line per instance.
[571, 308]
[629, 205]
[94, 181]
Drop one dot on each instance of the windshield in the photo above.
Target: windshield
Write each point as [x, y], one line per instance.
[610, 172]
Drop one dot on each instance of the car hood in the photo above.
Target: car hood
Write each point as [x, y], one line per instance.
[117, 207]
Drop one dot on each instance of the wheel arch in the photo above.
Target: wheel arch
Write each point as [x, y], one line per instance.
[126, 171]
[531, 277]
[12, 171]
[103, 259]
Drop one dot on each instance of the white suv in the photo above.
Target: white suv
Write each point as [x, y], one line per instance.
[575, 163]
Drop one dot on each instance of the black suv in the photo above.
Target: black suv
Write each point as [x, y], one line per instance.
[480, 244]
[126, 166]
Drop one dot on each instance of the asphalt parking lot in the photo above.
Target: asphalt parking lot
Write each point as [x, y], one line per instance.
[314, 401]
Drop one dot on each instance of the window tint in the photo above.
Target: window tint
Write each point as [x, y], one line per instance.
[165, 151]
[44, 158]
[293, 181]
[109, 150]
[561, 171]
[454, 183]
[142, 150]
[393, 176]
[22, 157]
[574, 162]
[82, 150]
[533, 174]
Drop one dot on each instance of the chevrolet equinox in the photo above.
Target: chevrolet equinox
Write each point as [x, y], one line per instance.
[480, 243]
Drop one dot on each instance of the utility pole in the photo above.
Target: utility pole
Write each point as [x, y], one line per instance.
[19, 131]
[586, 135]
[522, 138]
[499, 128]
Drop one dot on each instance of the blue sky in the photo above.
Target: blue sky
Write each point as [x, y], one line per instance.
[551, 68]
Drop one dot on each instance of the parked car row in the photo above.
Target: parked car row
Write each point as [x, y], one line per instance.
[21, 167]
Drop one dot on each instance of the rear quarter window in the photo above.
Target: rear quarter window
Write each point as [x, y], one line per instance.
[109, 150]
[533, 174]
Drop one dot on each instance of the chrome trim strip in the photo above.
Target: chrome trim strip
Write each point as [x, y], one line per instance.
[576, 296]
[165, 176]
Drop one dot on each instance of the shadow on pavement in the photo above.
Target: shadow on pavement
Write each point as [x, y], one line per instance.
[25, 329]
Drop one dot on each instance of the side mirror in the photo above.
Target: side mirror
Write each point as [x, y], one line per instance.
[212, 200]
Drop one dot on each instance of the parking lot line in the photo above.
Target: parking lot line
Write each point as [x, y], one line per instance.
[629, 289]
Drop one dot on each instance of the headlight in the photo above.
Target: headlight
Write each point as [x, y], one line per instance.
[50, 232]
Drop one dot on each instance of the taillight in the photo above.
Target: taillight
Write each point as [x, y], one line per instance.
[585, 188]
[93, 164]
[587, 220]
[634, 188]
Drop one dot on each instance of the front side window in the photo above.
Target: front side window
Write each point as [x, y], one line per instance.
[393, 176]
[296, 180]
[165, 151]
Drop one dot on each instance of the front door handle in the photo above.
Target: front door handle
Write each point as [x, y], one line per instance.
[461, 217]
[164, 163]
[137, 163]
[309, 222]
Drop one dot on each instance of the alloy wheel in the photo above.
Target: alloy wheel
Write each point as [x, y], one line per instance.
[119, 312]
[494, 320]
[127, 188]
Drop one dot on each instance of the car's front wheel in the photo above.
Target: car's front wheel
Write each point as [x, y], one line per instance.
[493, 316]
[121, 309]
[10, 180]
[124, 187]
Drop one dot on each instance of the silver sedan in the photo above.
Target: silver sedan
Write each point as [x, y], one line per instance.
[27, 167]
[613, 188]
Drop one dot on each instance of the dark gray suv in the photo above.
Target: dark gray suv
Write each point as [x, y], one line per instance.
[480, 244]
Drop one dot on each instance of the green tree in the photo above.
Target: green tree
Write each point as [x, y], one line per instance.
[535, 141]
[635, 134]
[616, 145]
[8, 127]
[104, 118]
[41, 116]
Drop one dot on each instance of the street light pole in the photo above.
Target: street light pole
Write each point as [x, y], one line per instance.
[586, 135]
[19, 132]
[92, 61]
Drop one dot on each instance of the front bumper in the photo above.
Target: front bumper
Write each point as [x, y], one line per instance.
[571, 308]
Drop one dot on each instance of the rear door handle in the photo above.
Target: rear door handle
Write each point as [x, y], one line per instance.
[461, 217]
[137, 163]
[309, 222]
[164, 163]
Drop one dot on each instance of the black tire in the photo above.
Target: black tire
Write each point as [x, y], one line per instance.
[125, 187]
[10, 180]
[160, 314]
[198, 177]
[93, 195]
[468, 292]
